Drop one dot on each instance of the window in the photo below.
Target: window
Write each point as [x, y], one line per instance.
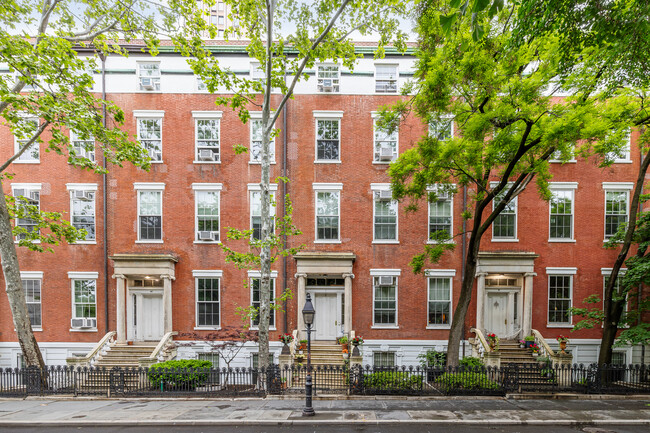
[256, 209]
[207, 135]
[149, 76]
[505, 224]
[256, 142]
[606, 272]
[384, 283]
[328, 145]
[386, 78]
[32, 287]
[623, 155]
[385, 214]
[213, 357]
[328, 78]
[221, 20]
[256, 301]
[82, 208]
[561, 213]
[83, 147]
[383, 359]
[84, 299]
[31, 155]
[385, 145]
[200, 85]
[149, 211]
[327, 212]
[440, 214]
[207, 298]
[439, 301]
[257, 73]
[150, 137]
[207, 198]
[560, 290]
[28, 199]
[616, 205]
[442, 129]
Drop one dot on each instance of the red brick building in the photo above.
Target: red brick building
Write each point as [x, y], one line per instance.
[152, 264]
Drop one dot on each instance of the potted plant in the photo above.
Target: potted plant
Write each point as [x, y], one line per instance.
[286, 339]
[357, 341]
[343, 341]
[563, 342]
[492, 340]
[529, 340]
[522, 344]
[303, 345]
[535, 349]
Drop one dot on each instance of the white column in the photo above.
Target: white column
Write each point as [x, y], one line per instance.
[480, 300]
[167, 303]
[302, 295]
[121, 308]
[527, 320]
[347, 296]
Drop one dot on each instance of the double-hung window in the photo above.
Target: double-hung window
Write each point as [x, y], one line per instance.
[561, 208]
[256, 208]
[386, 78]
[384, 214]
[208, 299]
[606, 272]
[623, 154]
[617, 204]
[328, 221]
[150, 132]
[442, 128]
[383, 359]
[504, 226]
[149, 76]
[439, 297]
[207, 211]
[32, 285]
[560, 295]
[82, 208]
[256, 140]
[440, 213]
[385, 144]
[28, 202]
[25, 130]
[149, 211]
[328, 136]
[328, 78]
[84, 147]
[207, 136]
[84, 300]
[256, 284]
[384, 282]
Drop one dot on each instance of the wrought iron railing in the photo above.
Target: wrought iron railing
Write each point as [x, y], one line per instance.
[233, 382]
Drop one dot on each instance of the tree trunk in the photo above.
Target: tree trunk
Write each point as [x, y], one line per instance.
[15, 293]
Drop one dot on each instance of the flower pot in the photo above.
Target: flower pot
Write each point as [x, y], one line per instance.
[535, 354]
[562, 346]
[285, 349]
[529, 344]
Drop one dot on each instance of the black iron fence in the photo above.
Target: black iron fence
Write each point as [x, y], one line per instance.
[214, 382]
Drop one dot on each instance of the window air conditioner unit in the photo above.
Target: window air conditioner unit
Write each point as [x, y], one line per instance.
[386, 153]
[83, 322]
[146, 83]
[83, 195]
[206, 155]
[34, 195]
[206, 236]
[385, 280]
[19, 192]
[327, 85]
[385, 194]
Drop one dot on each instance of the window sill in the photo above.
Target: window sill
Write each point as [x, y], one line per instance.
[156, 162]
[207, 242]
[327, 162]
[255, 328]
[36, 329]
[384, 327]
[259, 162]
[327, 242]
[386, 242]
[504, 240]
[84, 243]
[148, 242]
[83, 329]
[382, 162]
[559, 325]
[148, 91]
[607, 240]
[206, 162]
[33, 161]
[34, 241]
[430, 242]
[207, 328]
[622, 161]
[438, 327]
[565, 241]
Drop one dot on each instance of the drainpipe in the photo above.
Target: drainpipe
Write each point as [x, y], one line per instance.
[285, 190]
[102, 56]
[464, 250]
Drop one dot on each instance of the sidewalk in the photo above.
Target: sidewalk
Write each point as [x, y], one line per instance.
[441, 411]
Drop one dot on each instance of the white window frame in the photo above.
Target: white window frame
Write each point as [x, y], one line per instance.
[322, 115]
[82, 276]
[447, 274]
[257, 73]
[150, 187]
[206, 187]
[331, 188]
[624, 187]
[80, 146]
[446, 117]
[559, 272]
[255, 188]
[206, 274]
[257, 275]
[396, 79]
[335, 81]
[155, 78]
[376, 273]
[626, 159]
[569, 187]
[434, 189]
[515, 201]
[376, 189]
[256, 116]
[29, 188]
[85, 187]
[35, 144]
[35, 275]
[394, 137]
[206, 115]
[144, 115]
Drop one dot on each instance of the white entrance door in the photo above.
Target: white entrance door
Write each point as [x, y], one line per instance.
[150, 317]
[496, 314]
[327, 321]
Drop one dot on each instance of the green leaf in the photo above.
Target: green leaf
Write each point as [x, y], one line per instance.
[480, 5]
[447, 22]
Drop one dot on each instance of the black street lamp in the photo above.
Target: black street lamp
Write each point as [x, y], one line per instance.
[308, 314]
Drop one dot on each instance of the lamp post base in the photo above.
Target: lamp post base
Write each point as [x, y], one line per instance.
[308, 411]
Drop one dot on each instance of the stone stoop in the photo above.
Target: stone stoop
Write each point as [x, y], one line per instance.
[326, 360]
[323, 353]
[122, 355]
[531, 372]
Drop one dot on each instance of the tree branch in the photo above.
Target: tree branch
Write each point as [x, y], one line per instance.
[23, 149]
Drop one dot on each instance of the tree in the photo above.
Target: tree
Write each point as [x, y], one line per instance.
[51, 84]
[314, 31]
[508, 126]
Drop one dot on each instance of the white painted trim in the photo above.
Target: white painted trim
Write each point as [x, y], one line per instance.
[207, 114]
[618, 185]
[81, 186]
[149, 186]
[327, 187]
[447, 274]
[326, 161]
[385, 272]
[563, 185]
[440, 272]
[257, 187]
[328, 114]
[571, 190]
[149, 113]
[31, 274]
[379, 186]
[207, 273]
[323, 187]
[606, 272]
[561, 271]
[207, 187]
[29, 186]
[83, 275]
[258, 274]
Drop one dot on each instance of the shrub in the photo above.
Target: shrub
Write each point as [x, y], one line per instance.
[471, 362]
[390, 380]
[433, 358]
[182, 373]
[469, 380]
